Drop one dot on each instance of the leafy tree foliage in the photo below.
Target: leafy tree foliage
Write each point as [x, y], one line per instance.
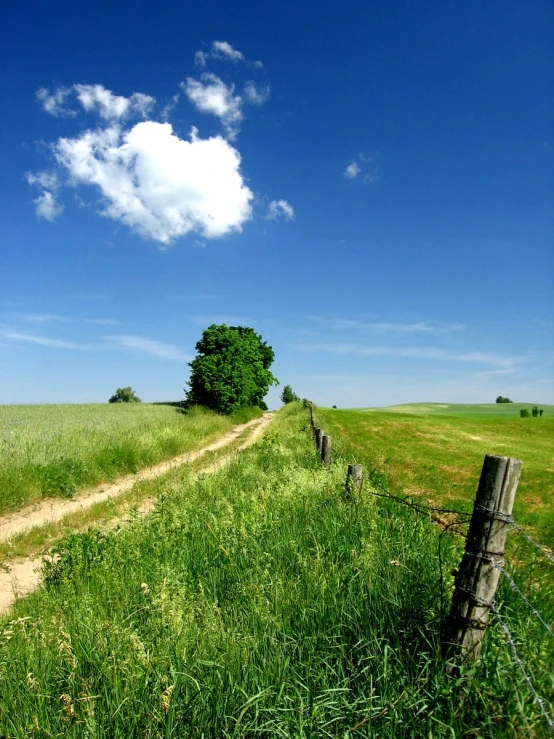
[231, 369]
[288, 395]
[500, 399]
[124, 395]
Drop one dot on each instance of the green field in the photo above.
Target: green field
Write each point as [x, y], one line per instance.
[483, 410]
[435, 452]
[257, 601]
[53, 450]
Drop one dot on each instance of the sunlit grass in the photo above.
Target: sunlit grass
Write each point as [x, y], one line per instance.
[439, 457]
[55, 450]
[258, 601]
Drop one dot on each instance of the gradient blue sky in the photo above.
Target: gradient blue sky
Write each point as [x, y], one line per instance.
[368, 185]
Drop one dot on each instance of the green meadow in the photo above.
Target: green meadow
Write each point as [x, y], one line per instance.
[434, 452]
[259, 601]
[54, 450]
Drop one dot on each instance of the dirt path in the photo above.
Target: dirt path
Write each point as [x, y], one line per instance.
[19, 577]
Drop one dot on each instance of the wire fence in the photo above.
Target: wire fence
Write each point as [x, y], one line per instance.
[458, 525]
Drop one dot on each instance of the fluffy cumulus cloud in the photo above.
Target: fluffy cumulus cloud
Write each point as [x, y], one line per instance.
[280, 208]
[158, 184]
[211, 95]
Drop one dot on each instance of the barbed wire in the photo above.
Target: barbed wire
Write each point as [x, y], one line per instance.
[541, 549]
[515, 588]
[521, 666]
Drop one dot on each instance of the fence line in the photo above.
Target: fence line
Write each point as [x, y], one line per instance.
[521, 666]
[516, 589]
[541, 549]
[495, 517]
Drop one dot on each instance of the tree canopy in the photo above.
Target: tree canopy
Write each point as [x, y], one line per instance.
[231, 369]
[288, 395]
[501, 399]
[124, 395]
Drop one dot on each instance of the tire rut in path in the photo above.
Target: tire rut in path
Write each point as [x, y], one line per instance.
[20, 577]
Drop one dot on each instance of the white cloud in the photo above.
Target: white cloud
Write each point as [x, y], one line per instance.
[47, 206]
[39, 317]
[219, 50]
[96, 98]
[391, 327]
[150, 346]
[223, 48]
[54, 103]
[352, 171]
[159, 185]
[255, 95]
[280, 208]
[44, 341]
[414, 353]
[211, 95]
[103, 321]
[200, 58]
[364, 168]
[45, 179]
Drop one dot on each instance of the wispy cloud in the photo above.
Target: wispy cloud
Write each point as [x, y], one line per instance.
[362, 168]
[39, 317]
[222, 50]
[256, 95]
[103, 321]
[94, 98]
[45, 341]
[211, 95]
[393, 327]
[150, 346]
[410, 352]
[280, 208]
[46, 204]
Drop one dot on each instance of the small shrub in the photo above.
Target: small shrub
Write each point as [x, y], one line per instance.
[524, 413]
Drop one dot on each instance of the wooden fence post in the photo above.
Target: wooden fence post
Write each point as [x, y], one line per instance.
[354, 478]
[326, 450]
[318, 437]
[477, 577]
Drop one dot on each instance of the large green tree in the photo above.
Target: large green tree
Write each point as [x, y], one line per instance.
[231, 369]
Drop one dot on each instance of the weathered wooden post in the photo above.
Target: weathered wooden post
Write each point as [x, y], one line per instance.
[326, 450]
[477, 577]
[318, 437]
[354, 478]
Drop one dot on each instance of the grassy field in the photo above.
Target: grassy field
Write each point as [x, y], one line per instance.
[53, 450]
[484, 410]
[257, 601]
[435, 453]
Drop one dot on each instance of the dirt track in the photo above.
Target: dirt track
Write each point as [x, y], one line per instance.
[19, 577]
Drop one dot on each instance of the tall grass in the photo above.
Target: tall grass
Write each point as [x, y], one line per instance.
[56, 449]
[255, 602]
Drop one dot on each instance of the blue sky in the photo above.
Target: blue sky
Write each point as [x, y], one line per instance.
[368, 185]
